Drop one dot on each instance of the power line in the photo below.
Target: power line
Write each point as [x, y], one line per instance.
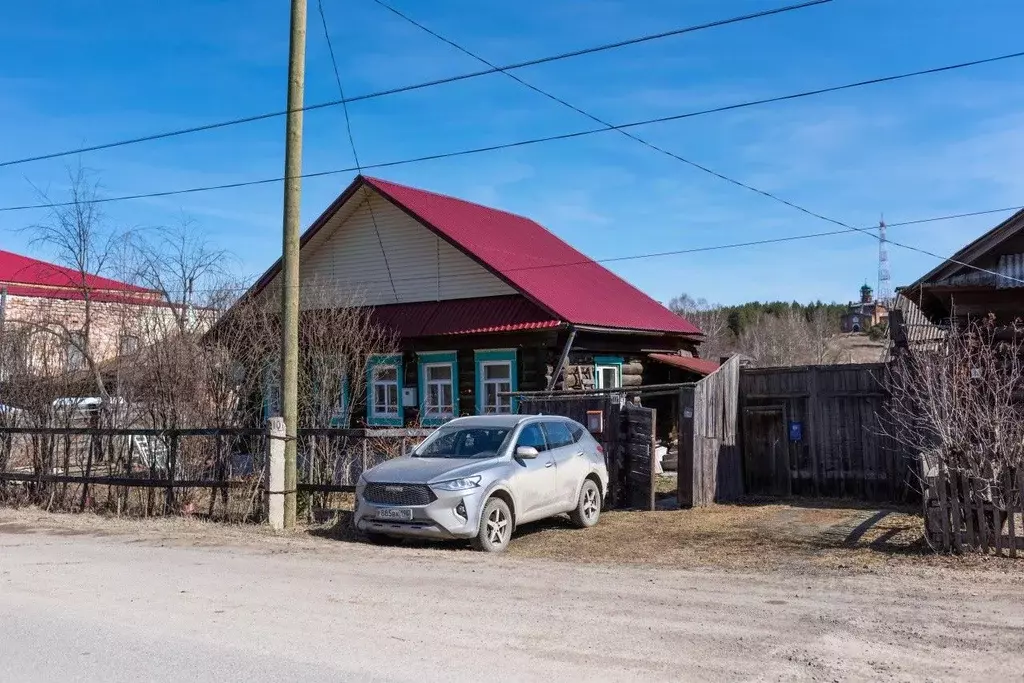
[352, 144]
[680, 252]
[425, 84]
[537, 140]
[679, 157]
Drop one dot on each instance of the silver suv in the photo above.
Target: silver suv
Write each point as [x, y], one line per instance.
[479, 477]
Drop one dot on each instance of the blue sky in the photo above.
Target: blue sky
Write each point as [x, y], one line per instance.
[935, 145]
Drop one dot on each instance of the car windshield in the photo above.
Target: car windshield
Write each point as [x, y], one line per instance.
[463, 442]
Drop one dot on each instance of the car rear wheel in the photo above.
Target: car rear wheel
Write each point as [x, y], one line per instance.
[495, 527]
[588, 508]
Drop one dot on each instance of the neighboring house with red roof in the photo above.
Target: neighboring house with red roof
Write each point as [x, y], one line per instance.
[43, 314]
[483, 302]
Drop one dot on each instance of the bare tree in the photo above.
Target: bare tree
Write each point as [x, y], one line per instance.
[712, 321]
[185, 268]
[77, 233]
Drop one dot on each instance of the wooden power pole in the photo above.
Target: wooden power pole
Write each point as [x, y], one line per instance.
[290, 256]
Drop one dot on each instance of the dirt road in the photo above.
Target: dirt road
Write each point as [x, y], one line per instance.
[134, 605]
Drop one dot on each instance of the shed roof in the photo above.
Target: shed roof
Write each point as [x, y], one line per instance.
[700, 366]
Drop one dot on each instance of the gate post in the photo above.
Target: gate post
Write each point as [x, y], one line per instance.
[275, 473]
[684, 449]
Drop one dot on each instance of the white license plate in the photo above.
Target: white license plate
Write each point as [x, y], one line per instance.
[400, 514]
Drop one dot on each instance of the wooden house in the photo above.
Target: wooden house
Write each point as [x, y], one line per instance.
[986, 276]
[484, 302]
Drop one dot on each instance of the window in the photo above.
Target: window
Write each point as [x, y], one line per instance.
[495, 380]
[341, 415]
[577, 431]
[76, 351]
[438, 386]
[463, 442]
[384, 391]
[271, 390]
[557, 433]
[608, 377]
[129, 345]
[532, 436]
[439, 390]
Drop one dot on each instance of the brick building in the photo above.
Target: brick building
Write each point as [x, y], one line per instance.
[45, 308]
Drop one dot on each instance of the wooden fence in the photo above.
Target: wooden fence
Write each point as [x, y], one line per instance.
[819, 431]
[90, 467]
[963, 512]
[710, 468]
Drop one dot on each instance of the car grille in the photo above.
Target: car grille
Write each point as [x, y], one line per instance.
[398, 494]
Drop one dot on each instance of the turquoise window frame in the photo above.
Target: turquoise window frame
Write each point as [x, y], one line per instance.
[491, 356]
[607, 361]
[437, 358]
[270, 378]
[372, 364]
[345, 404]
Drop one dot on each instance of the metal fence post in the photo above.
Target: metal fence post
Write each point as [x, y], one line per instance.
[275, 473]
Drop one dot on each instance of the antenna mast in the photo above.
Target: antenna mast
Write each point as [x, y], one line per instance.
[884, 279]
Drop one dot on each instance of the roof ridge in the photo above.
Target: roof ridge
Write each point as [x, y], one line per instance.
[373, 179]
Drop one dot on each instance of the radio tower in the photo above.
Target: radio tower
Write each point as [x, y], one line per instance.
[884, 282]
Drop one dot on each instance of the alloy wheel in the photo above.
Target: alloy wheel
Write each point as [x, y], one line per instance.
[590, 503]
[497, 527]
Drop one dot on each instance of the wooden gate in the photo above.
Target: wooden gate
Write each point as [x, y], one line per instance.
[833, 441]
[709, 468]
[765, 453]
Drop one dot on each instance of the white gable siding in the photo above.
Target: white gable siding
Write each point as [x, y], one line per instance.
[345, 261]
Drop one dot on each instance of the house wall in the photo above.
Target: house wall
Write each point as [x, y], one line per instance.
[349, 262]
[110, 322]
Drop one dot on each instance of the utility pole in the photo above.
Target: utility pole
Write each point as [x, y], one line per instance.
[290, 256]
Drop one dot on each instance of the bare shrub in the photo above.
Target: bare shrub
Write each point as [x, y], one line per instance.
[962, 405]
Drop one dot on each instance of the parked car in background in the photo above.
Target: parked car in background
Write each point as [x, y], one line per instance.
[479, 477]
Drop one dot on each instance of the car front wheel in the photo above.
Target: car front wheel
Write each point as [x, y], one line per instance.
[588, 507]
[495, 527]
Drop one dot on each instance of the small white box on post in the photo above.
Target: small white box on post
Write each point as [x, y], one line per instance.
[275, 473]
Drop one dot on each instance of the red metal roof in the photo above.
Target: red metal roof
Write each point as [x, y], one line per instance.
[700, 366]
[25, 276]
[463, 316]
[556, 276]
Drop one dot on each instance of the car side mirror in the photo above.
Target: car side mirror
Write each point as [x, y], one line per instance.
[527, 452]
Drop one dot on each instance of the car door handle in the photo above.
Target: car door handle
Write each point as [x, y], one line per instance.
[549, 464]
[580, 453]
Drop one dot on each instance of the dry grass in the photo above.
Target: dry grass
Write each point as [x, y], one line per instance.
[796, 535]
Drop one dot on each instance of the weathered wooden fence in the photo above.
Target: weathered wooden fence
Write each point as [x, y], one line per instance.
[963, 512]
[216, 471]
[627, 439]
[819, 431]
[710, 469]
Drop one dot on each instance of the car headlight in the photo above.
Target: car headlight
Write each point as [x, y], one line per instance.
[462, 484]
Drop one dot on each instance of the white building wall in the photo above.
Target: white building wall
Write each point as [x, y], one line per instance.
[345, 262]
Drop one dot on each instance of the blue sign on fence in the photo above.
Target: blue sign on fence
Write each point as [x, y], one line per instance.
[796, 430]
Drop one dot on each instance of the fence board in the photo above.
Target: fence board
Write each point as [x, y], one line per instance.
[940, 484]
[965, 496]
[710, 467]
[979, 513]
[956, 505]
[1013, 502]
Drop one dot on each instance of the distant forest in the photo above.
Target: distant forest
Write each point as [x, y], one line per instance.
[769, 333]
